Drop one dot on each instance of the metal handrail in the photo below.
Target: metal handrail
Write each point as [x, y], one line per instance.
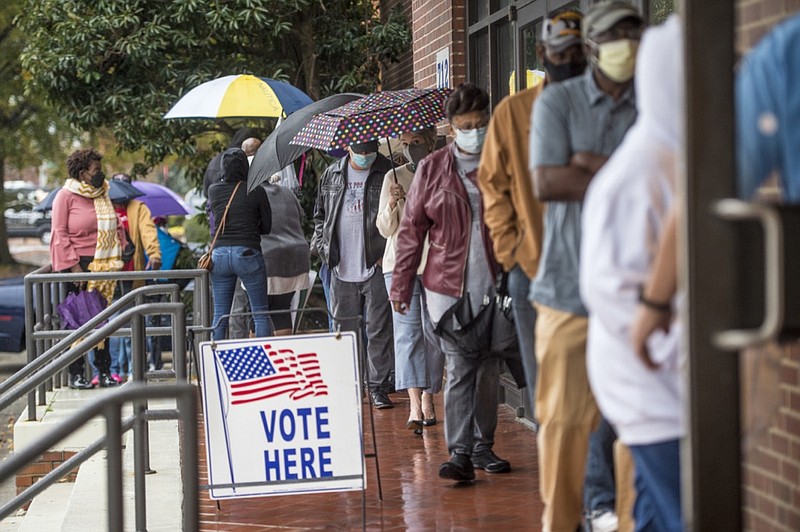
[45, 289]
[108, 312]
[110, 406]
[90, 340]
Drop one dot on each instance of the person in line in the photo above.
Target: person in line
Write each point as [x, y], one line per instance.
[286, 253]
[237, 251]
[348, 242]
[625, 214]
[418, 360]
[87, 236]
[141, 232]
[444, 205]
[250, 147]
[514, 217]
[577, 124]
[766, 108]
[214, 172]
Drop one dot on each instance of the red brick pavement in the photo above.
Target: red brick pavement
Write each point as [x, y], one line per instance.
[414, 498]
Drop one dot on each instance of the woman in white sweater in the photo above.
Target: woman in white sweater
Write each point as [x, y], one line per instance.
[419, 362]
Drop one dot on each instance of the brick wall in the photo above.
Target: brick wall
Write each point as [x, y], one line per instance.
[756, 17]
[48, 462]
[771, 386]
[399, 75]
[437, 24]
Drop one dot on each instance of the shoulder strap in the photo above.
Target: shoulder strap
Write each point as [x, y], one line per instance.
[221, 226]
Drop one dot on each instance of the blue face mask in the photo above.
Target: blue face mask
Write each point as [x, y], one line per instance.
[363, 160]
[470, 140]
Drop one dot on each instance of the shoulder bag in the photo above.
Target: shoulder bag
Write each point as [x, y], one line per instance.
[205, 261]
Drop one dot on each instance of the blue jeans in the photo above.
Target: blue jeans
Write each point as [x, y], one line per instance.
[247, 264]
[599, 488]
[525, 324]
[418, 358]
[120, 354]
[658, 487]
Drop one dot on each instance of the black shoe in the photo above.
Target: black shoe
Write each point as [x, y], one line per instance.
[79, 382]
[459, 468]
[380, 400]
[490, 462]
[106, 381]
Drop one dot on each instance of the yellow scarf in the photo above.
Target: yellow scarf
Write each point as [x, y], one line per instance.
[108, 251]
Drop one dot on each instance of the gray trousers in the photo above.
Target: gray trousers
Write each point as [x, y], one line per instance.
[369, 300]
[470, 401]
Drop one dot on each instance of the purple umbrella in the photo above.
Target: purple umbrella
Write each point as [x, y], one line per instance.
[161, 200]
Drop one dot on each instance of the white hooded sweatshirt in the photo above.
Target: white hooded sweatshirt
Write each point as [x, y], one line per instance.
[624, 215]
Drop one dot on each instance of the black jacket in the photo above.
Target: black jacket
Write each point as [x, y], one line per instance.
[249, 215]
[330, 197]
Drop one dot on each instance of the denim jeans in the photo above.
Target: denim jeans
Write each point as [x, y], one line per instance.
[349, 302]
[525, 324]
[418, 358]
[658, 487]
[599, 491]
[120, 354]
[247, 264]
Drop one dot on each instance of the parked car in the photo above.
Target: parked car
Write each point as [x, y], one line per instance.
[12, 315]
[24, 222]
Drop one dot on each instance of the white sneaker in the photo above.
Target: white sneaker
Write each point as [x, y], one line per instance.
[606, 521]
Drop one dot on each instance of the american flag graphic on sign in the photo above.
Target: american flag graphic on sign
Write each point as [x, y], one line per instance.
[257, 372]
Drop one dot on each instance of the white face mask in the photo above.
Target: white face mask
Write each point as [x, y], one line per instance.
[470, 140]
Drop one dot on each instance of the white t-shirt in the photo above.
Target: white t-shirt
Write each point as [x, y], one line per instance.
[352, 265]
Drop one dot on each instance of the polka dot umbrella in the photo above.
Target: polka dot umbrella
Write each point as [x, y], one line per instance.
[380, 115]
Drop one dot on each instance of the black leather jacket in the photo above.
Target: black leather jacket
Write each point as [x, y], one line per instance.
[330, 196]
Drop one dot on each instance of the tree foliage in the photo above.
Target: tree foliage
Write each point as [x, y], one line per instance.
[30, 132]
[121, 64]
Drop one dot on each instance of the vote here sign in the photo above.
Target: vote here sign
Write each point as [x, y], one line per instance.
[282, 415]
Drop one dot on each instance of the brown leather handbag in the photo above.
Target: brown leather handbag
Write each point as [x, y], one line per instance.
[205, 261]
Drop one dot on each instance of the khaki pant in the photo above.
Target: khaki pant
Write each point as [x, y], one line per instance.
[567, 415]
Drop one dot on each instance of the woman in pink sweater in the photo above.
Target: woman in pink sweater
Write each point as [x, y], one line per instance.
[86, 236]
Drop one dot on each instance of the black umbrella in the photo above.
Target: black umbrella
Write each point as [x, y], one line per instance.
[119, 191]
[276, 153]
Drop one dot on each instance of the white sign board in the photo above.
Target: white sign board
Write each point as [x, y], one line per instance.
[443, 68]
[282, 415]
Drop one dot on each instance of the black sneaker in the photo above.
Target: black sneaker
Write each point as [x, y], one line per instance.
[106, 381]
[380, 400]
[490, 462]
[459, 468]
[79, 382]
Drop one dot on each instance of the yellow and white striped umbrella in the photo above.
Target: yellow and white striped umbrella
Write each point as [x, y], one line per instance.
[240, 96]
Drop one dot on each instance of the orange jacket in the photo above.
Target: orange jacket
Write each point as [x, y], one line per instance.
[514, 217]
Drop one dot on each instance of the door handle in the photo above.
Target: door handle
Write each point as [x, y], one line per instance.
[774, 304]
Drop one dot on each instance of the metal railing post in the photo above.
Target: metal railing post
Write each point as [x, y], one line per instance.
[141, 454]
[189, 461]
[114, 464]
[30, 344]
[179, 346]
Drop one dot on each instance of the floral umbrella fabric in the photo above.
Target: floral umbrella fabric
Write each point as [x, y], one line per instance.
[380, 115]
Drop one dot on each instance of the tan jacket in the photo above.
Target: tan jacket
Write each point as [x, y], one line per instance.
[514, 217]
[143, 234]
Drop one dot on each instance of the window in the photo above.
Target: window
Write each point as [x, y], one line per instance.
[501, 37]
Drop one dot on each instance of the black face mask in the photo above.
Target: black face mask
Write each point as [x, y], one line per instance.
[97, 179]
[563, 72]
[414, 153]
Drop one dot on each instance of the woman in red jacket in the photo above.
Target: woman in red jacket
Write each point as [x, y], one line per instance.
[444, 204]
